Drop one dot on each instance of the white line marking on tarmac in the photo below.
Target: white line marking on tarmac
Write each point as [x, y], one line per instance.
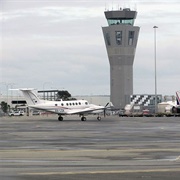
[103, 172]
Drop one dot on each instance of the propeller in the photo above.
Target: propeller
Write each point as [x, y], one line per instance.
[109, 105]
[104, 112]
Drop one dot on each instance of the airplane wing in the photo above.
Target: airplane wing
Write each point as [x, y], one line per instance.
[91, 109]
[83, 111]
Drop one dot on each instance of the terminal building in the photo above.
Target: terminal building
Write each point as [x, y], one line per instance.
[121, 38]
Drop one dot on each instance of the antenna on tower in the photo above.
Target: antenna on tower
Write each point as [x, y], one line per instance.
[135, 7]
[106, 7]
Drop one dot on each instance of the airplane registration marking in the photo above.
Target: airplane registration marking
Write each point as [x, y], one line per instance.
[59, 110]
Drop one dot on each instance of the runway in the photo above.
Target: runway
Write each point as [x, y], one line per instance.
[113, 148]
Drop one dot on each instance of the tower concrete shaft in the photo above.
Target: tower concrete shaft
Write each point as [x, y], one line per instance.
[121, 39]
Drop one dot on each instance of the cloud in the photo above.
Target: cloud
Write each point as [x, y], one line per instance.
[62, 42]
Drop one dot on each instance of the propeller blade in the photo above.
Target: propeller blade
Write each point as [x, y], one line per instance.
[104, 112]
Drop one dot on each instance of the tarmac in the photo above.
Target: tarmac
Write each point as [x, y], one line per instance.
[128, 148]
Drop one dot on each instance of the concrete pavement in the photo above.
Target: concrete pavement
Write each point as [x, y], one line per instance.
[114, 148]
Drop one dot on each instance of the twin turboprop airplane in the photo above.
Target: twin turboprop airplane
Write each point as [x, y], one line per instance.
[81, 107]
[175, 105]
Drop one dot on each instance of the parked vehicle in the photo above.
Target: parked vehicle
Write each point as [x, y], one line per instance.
[146, 112]
[35, 113]
[16, 113]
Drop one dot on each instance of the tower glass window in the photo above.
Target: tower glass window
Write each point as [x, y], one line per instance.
[120, 21]
[119, 37]
[130, 38]
[108, 39]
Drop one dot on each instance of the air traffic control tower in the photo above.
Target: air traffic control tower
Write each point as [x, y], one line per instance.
[121, 39]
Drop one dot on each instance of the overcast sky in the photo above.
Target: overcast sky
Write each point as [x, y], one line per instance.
[55, 44]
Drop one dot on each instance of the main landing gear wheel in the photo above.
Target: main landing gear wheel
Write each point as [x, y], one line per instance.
[83, 118]
[98, 118]
[60, 118]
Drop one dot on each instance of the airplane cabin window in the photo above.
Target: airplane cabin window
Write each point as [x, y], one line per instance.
[67, 104]
[62, 104]
[55, 104]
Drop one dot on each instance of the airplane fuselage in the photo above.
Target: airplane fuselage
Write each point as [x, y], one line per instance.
[68, 107]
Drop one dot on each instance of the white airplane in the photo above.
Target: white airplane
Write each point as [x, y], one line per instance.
[175, 105]
[178, 99]
[81, 107]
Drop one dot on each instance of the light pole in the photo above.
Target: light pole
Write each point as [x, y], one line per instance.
[155, 27]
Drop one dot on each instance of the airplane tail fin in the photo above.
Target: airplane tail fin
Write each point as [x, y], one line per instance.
[30, 96]
[178, 97]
